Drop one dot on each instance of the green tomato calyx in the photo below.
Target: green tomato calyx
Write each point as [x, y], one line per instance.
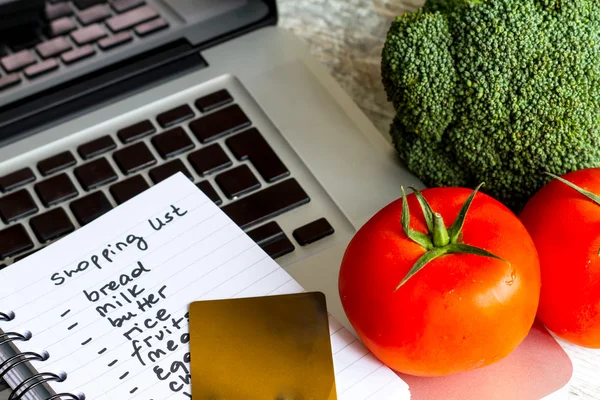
[594, 197]
[440, 233]
[440, 240]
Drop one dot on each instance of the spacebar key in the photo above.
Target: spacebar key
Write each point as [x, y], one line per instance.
[267, 203]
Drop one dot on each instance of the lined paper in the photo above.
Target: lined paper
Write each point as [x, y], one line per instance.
[109, 302]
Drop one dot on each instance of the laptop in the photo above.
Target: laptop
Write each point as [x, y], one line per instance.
[101, 99]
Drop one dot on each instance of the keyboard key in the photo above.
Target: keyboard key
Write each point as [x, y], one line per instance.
[56, 163]
[88, 34]
[219, 123]
[9, 81]
[96, 147]
[13, 241]
[266, 233]
[58, 10]
[151, 27]
[60, 27]
[134, 158]
[56, 190]
[237, 181]
[17, 61]
[83, 4]
[90, 207]
[95, 174]
[41, 68]
[51, 225]
[137, 131]
[128, 188]
[210, 192]
[93, 14]
[53, 47]
[121, 6]
[115, 41]
[79, 54]
[175, 116]
[213, 101]
[313, 232]
[131, 18]
[169, 169]
[266, 204]
[16, 179]
[279, 247]
[209, 159]
[16, 206]
[251, 145]
[172, 142]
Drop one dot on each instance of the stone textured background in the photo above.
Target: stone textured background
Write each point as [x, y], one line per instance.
[347, 36]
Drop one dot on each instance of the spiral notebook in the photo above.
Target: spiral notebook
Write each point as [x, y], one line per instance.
[103, 313]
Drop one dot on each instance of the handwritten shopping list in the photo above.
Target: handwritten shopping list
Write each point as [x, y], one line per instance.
[109, 303]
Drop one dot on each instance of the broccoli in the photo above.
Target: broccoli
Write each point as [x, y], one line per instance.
[495, 91]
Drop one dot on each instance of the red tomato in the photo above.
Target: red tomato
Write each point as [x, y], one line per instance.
[460, 311]
[565, 226]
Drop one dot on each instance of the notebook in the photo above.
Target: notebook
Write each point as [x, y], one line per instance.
[109, 303]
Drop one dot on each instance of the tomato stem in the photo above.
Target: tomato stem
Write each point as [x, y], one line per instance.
[440, 240]
[440, 233]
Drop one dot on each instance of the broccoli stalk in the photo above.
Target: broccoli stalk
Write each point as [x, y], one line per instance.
[497, 91]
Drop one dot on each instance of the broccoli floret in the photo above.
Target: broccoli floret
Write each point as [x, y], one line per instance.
[495, 91]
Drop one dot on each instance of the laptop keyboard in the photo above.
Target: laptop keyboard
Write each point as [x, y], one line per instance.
[70, 32]
[73, 191]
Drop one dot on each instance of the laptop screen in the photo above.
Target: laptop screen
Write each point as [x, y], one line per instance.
[197, 10]
[65, 65]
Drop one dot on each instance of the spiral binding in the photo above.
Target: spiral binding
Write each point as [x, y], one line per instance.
[6, 316]
[12, 337]
[36, 380]
[32, 382]
[21, 358]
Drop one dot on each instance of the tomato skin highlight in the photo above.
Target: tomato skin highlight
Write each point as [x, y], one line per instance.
[459, 312]
[565, 227]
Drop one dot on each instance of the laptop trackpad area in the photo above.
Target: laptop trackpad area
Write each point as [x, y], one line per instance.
[193, 11]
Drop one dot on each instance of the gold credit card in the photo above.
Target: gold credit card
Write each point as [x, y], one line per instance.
[263, 348]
